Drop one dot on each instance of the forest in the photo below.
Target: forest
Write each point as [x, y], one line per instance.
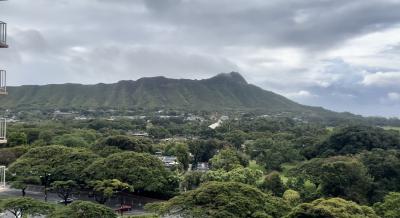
[256, 166]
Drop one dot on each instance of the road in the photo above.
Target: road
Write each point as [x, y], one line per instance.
[137, 202]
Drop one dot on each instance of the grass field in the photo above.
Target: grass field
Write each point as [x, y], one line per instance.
[391, 128]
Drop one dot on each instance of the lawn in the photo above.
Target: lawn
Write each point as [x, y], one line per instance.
[391, 128]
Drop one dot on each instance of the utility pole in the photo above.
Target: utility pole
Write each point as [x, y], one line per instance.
[3, 78]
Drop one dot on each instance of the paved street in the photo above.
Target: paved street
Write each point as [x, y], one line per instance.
[137, 202]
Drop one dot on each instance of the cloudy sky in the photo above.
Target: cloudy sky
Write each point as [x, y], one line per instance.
[340, 54]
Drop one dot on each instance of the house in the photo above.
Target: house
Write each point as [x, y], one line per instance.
[169, 161]
[202, 166]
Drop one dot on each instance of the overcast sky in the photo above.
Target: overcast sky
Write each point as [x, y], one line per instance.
[340, 54]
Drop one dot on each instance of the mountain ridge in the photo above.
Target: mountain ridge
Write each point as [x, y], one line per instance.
[225, 91]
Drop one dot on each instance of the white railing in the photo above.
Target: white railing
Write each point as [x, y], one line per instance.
[3, 82]
[3, 35]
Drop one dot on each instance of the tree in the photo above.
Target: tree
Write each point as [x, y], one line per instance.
[181, 151]
[143, 171]
[307, 189]
[292, 197]
[159, 132]
[9, 155]
[273, 153]
[21, 207]
[228, 159]
[330, 208]
[53, 163]
[236, 137]
[46, 136]
[64, 189]
[243, 175]
[273, 183]
[356, 138]
[70, 140]
[128, 143]
[105, 189]
[384, 167]
[23, 182]
[390, 207]
[220, 200]
[17, 138]
[84, 209]
[191, 180]
[344, 177]
[203, 150]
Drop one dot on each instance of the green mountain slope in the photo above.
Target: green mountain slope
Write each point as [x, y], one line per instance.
[222, 92]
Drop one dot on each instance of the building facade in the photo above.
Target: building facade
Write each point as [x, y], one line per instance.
[3, 79]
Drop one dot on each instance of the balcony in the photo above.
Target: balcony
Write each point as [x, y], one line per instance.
[3, 83]
[3, 35]
[3, 131]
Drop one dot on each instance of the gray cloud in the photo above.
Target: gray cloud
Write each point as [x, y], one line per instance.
[339, 54]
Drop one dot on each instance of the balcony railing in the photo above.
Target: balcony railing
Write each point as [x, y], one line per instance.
[3, 82]
[3, 35]
[3, 131]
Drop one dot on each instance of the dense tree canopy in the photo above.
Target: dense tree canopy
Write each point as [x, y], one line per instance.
[223, 199]
[128, 143]
[204, 150]
[229, 159]
[142, 171]
[338, 176]
[84, 209]
[240, 174]
[390, 207]
[58, 162]
[384, 167]
[354, 139]
[332, 208]
[22, 207]
[254, 161]
[272, 153]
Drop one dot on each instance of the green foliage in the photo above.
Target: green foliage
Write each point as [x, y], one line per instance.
[273, 183]
[159, 133]
[181, 151]
[84, 209]
[141, 170]
[204, 150]
[390, 207]
[59, 162]
[273, 153]
[17, 138]
[229, 159]
[354, 139]
[344, 177]
[217, 93]
[242, 175]
[22, 207]
[384, 167]
[236, 137]
[292, 197]
[191, 180]
[222, 199]
[64, 189]
[9, 155]
[332, 208]
[23, 182]
[128, 143]
[105, 189]
[308, 190]
[70, 140]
